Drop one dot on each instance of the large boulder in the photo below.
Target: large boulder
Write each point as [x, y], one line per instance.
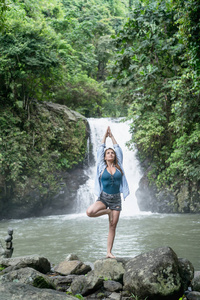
[62, 283]
[111, 269]
[64, 111]
[72, 267]
[36, 262]
[196, 281]
[28, 276]
[155, 275]
[186, 271]
[112, 286]
[193, 296]
[150, 199]
[19, 291]
[86, 285]
[185, 199]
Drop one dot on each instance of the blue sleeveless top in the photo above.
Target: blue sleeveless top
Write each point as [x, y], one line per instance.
[111, 183]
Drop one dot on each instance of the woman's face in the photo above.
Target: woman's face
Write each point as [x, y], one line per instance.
[109, 155]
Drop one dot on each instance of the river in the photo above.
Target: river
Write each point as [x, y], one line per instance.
[137, 232]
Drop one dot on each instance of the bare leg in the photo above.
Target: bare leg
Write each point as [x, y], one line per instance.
[111, 233]
[98, 209]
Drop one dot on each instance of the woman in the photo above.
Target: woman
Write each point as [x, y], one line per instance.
[110, 182]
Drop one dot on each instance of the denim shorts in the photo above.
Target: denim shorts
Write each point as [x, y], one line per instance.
[112, 201]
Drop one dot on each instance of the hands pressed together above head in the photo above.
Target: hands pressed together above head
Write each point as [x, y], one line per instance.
[108, 133]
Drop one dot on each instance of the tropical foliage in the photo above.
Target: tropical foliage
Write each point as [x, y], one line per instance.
[157, 63]
[57, 51]
[139, 59]
[50, 51]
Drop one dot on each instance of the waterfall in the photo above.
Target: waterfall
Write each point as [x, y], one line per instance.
[120, 130]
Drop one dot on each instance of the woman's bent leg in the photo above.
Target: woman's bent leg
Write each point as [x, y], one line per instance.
[97, 209]
[111, 233]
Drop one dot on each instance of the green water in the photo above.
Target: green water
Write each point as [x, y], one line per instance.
[57, 236]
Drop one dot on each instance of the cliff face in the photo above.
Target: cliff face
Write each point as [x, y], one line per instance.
[41, 160]
[185, 199]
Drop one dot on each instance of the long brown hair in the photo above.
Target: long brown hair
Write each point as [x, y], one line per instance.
[115, 160]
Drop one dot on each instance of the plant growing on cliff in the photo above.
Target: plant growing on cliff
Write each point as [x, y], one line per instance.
[2, 268]
[41, 283]
[34, 152]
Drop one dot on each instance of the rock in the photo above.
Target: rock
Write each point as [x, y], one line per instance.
[28, 276]
[112, 286]
[111, 269]
[193, 296]
[2, 251]
[115, 296]
[66, 112]
[72, 267]
[72, 256]
[186, 271]
[36, 262]
[103, 269]
[154, 275]
[19, 291]
[196, 281]
[62, 283]
[86, 285]
[183, 199]
[150, 199]
[146, 195]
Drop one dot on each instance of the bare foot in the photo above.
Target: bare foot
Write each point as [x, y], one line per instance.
[110, 255]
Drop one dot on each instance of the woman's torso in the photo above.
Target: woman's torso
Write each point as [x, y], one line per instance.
[111, 182]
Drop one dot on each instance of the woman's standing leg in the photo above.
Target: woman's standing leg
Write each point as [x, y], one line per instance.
[111, 234]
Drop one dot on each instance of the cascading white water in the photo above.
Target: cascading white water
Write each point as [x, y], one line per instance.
[120, 130]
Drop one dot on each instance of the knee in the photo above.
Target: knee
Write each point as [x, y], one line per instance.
[89, 212]
[113, 225]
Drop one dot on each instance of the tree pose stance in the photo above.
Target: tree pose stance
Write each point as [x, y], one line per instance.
[110, 182]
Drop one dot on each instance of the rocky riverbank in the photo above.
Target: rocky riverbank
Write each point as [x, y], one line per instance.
[156, 275]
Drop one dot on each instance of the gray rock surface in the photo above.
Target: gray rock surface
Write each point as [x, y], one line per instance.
[185, 199]
[193, 296]
[28, 276]
[112, 286]
[86, 285]
[186, 271]
[111, 269]
[19, 291]
[62, 283]
[64, 110]
[196, 281]
[154, 275]
[36, 262]
[114, 296]
[72, 267]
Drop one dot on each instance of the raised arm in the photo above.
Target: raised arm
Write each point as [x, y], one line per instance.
[117, 148]
[111, 136]
[100, 151]
[105, 136]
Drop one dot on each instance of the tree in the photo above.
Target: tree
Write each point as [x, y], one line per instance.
[3, 8]
[161, 87]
